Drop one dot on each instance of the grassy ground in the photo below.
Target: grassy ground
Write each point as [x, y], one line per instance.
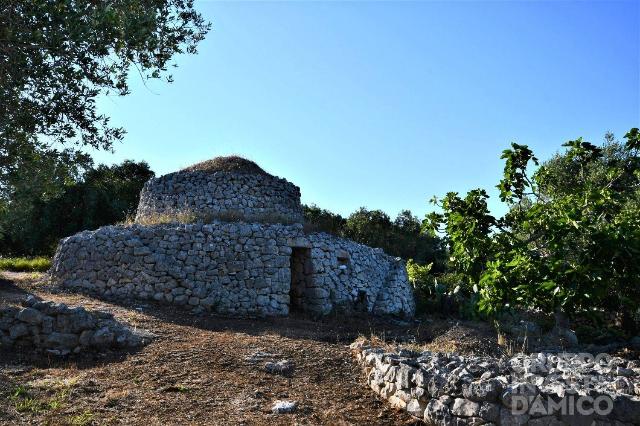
[25, 264]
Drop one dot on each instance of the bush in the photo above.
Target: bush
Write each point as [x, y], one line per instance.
[322, 220]
[23, 264]
[440, 293]
[52, 195]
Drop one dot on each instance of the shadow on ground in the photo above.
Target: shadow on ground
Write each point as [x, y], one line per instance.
[203, 369]
[13, 293]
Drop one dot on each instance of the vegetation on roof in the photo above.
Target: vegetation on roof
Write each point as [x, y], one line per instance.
[232, 163]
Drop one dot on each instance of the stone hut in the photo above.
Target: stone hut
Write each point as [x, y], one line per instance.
[224, 236]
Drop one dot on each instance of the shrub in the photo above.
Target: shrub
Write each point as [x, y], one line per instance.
[401, 237]
[51, 195]
[441, 293]
[322, 220]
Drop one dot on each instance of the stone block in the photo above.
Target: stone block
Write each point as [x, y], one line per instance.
[465, 408]
[61, 340]
[30, 316]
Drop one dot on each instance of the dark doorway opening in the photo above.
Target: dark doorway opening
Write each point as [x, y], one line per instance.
[301, 276]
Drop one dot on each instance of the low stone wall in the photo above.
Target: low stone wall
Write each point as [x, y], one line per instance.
[60, 330]
[539, 389]
[241, 196]
[233, 268]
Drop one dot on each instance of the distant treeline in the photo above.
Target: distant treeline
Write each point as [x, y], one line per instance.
[46, 195]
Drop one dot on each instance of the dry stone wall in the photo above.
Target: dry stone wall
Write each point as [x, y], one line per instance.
[60, 330]
[356, 277]
[230, 268]
[221, 194]
[233, 268]
[540, 389]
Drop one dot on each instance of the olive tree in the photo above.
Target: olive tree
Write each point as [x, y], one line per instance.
[58, 56]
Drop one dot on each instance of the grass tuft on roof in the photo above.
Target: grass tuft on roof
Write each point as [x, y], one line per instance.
[232, 163]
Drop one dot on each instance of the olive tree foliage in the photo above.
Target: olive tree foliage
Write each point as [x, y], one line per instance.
[570, 240]
[371, 227]
[57, 56]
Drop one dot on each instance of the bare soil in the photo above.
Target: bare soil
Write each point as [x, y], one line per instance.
[209, 369]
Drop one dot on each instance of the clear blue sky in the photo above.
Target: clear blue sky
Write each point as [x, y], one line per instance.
[385, 104]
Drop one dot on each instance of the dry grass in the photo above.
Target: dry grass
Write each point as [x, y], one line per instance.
[187, 216]
[197, 372]
[24, 264]
[232, 163]
[165, 218]
[445, 337]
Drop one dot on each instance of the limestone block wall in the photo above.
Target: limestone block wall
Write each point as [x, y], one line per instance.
[396, 296]
[234, 268]
[540, 389]
[60, 330]
[230, 268]
[221, 194]
[356, 277]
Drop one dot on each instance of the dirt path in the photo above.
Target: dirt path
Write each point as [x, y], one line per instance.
[199, 370]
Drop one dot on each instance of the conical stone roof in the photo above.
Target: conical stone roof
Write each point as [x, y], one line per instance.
[223, 188]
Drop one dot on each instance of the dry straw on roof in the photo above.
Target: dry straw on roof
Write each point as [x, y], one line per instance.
[232, 163]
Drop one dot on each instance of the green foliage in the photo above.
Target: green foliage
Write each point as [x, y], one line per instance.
[50, 194]
[515, 180]
[563, 174]
[32, 174]
[83, 419]
[419, 275]
[401, 237]
[428, 292]
[443, 293]
[321, 220]
[570, 240]
[467, 219]
[59, 56]
[370, 227]
[105, 195]
[23, 264]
